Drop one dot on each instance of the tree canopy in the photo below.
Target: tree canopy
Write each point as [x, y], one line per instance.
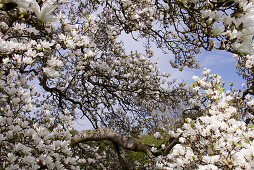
[61, 59]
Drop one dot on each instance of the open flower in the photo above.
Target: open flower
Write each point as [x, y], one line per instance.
[43, 14]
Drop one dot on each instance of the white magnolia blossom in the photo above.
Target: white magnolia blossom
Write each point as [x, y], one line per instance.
[216, 139]
[44, 13]
[76, 62]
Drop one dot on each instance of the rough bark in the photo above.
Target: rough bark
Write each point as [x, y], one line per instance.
[111, 135]
[123, 163]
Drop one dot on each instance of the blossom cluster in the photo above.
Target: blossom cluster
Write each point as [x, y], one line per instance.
[42, 13]
[216, 140]
[32, 135]
[31, 140]
[237, 29]
[52, 71]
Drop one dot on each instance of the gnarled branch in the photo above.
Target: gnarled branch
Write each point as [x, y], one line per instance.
[111, 135]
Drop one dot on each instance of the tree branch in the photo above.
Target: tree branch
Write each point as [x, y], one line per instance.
[122, 162]
[111, 135]
[170, 146]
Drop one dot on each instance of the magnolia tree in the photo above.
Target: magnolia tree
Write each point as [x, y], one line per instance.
[62, 59]
[218, 139]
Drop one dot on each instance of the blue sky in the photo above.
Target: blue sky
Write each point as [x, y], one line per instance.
[220, 62]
